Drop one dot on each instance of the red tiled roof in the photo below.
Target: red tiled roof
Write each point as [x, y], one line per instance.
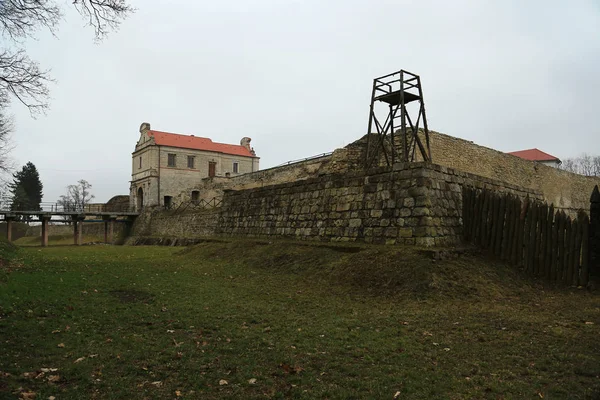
[197, 143]
[534, 155]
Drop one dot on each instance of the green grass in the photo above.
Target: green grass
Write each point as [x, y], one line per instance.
[303, 320]
[58, 240]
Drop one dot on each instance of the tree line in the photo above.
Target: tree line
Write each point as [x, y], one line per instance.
[585, 164]
[26, 192]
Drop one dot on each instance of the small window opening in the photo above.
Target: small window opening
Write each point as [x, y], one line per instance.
[195, 196]
[236, 167]
[171, 160]
[168, 202]
[190, 160]
[140, 162]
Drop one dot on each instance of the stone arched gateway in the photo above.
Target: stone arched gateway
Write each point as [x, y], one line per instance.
[140, 199]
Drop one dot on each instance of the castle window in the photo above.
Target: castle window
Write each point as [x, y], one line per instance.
[140, 162]
[195, 196]
[171, 160]
[190, 162]
[236, 167]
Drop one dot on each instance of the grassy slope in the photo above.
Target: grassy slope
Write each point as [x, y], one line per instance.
[57, 240]
[305, 321]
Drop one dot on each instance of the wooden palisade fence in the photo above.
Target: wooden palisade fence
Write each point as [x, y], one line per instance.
[530, 234]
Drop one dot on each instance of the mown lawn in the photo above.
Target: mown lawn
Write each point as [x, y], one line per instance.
[259, 319]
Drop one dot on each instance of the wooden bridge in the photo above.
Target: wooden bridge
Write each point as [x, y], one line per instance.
[72, 214]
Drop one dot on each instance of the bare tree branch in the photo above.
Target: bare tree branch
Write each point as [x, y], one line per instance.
[582, 165]
[23, 79]
[103, 15]
[6, 146]
[22, 18]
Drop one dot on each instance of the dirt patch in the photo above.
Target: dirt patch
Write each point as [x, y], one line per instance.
[133, 296]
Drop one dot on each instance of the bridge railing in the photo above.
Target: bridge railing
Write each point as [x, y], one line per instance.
[68, 208]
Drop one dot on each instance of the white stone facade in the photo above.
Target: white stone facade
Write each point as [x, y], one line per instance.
[160, 170]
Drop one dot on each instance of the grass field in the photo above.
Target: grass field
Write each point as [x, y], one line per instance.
[58, 240]
[258, 319]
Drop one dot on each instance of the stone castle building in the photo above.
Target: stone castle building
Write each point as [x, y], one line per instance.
[164, 164]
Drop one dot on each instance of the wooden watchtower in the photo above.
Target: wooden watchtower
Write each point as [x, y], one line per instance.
[393, 135]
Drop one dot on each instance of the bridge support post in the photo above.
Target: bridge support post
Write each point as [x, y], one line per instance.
[109, 229]
[45, 221]
[9, 220]
[78, 229]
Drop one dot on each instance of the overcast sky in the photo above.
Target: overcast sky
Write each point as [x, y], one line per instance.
[296, 77]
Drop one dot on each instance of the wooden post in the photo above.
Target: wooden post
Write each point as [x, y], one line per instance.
[45, 231]
[490, 221]
[500, 224]
[483, 219]
[495, 221]
[554, 247]
[9, 220]
[465, 213]
[75, 233]
[594, 233]
[548, 237]
[111, 232]
[535, 243]
[542, 239]
[476, 217]
[561, 246]
[521, 231]
[527, 237]
[585, 251]
[567, 273]
[514, 229]
[506, 238]
[575, 245]
[533, 238]
[77, 230]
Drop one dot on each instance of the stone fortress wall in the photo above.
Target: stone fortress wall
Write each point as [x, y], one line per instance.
[332, 198]
[566, 190]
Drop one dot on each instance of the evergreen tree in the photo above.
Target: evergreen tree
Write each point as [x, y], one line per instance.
[26, 189]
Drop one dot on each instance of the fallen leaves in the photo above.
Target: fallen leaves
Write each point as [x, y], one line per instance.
[61, 345]
[223, 382]
[80, 359]
[252, 381]
[291, 369]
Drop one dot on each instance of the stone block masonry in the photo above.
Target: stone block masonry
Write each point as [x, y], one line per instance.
[416, 203]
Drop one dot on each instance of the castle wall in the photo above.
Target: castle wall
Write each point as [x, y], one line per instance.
[414, 203]
[566, 190]
[210, 188]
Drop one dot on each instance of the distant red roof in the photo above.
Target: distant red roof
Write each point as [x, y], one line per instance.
[534, 155]
[197, 143]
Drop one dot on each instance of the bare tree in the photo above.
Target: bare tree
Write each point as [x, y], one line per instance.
[583, 165]
[22, 78]
[77, 196]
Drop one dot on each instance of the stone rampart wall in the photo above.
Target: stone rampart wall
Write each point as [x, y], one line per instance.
[411, 204]
[565, 190]
[187, 224]
[210, 188]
